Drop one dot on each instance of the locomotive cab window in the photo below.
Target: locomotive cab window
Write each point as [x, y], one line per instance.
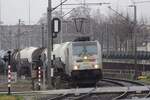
[85, 48]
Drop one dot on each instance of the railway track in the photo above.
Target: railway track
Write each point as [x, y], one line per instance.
[128, 95]
[126, 82]
[81, 96]
[91, 95]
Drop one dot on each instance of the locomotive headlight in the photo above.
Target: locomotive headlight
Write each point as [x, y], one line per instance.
[75, 67]
[85, 57]
[96, 66]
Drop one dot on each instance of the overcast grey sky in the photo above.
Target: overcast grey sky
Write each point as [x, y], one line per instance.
[12, 10]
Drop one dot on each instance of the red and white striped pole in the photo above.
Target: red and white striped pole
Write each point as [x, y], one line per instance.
[9, 73]
[9, 78]
[39, 77]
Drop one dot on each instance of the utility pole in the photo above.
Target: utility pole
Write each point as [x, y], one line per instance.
[18, 47]
[106, 27]
[29, 11]
[10, 39]
[43, 63]
[49, 47]
[0, 37]
[43, 44]
[0, 26]
[102, 41]
[135, 41]
[61, 33]
[18, 44]
[18, 35]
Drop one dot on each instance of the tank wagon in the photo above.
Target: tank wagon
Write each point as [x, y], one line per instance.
[22, 60]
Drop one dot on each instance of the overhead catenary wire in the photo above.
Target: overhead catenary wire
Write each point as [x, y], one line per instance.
[88, 3]
[142, 2]
[62, 3]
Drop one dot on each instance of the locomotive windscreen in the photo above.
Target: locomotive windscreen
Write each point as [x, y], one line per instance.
[84, 48]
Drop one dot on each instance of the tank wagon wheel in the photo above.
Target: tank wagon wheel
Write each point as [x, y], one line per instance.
[57, 82]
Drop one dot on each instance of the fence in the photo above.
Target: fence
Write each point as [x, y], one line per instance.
[117, 73]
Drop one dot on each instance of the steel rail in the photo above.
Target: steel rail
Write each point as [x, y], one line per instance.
[59, 97]
[121, 96]
[128, 81]
[125, 94]
[114, 82]
[91, 92]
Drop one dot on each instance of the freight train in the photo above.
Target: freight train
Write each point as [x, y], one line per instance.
[80, 61]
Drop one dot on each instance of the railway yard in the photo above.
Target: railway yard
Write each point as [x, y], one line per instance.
[89, 51]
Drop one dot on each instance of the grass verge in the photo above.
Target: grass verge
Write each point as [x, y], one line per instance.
[145, 81]
[10, 97]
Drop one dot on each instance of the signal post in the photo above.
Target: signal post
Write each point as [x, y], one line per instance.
[53, 29]
[49, 47]
[9, 73]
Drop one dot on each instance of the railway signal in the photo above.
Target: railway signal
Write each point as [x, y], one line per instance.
[56, 27]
